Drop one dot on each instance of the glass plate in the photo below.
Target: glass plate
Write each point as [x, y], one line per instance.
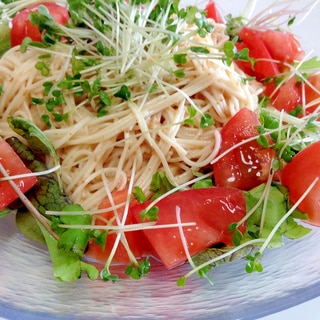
[291, 275]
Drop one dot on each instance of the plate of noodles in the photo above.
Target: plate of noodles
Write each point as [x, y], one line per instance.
[146, 120]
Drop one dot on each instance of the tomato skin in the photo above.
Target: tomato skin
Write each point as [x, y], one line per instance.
[136, 239]
[14, 166]
[248, 165]
[269, 45]
[288, 96]
[22, 27]
[282, 46]
[251, 39]
[213, 12]
[212, 209]
[310, 94]
[298, 174]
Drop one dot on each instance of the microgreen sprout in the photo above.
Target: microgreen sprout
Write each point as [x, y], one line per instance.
[136, 272]
[123, 93]
[192, 113]
[206, 121]
[139, 194]
[205, 183]
[160, 184]
[150, 214]
[254, 264]
[106, 276]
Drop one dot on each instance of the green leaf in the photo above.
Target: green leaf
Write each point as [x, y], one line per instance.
[123, 93]
[243, 55]
[192, 111]
[206, 183]
[160, 185]
[36, 139]
[5, 43]
[206, 121]
[199, 50]
[297, 111]
[59, 117]
[180, 58]
[47, 25]
[75, 240]
[43, 68]
[312, 63]
[254, 264]
[67, 266]
[291, 21]
[232, 227]
[237, 237]
[4, 212]
[180, 73]
[105, 275]
[150, 215]
[100, 237]
[263, 141]
[28, 226]
[229, 51]
[104, 99]
[136, 272]
[91, 271]
[233, 25]
[138, 194]
[182, 281]
[276, 208]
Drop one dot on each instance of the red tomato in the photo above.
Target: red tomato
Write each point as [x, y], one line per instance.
[22, 27]
[137, 242]
[14, 166]
[252, 40]
[248, 165]
[268, 45]
[213, 12]
[212, 209]
[282, 45]
[298, 174]
[288, 96]
[310, 94]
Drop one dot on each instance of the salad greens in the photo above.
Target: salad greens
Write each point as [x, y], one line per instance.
[66, 246]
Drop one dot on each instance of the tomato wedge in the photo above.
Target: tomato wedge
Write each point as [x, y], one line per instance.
[292, 93]
[298, 174]
[288, 96]
[264, 66]
[213, 12]
[211, 209]
[312, 93]
[270, 48]
[137, 242]
[14, 166]
[282, 46]
[22, 26]
[248, 165]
